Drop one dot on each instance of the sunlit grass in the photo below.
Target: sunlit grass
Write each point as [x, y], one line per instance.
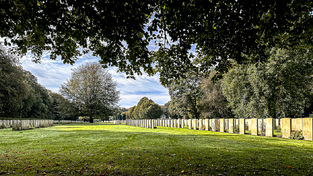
[107, 149]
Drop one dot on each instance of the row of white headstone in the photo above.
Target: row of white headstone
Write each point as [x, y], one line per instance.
[66, 121]
[146, 123]
[255, 126]
[28, 124]
[25, 124]
[118, 121]
[218, 125]
[202, 124]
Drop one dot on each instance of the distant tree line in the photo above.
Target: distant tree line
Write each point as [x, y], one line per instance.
[21, 96]
[90, 92]
[278, 87]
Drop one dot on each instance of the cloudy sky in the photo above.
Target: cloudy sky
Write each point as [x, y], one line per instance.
[52, 74]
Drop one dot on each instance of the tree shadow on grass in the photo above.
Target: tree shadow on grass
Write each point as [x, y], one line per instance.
[164, 152]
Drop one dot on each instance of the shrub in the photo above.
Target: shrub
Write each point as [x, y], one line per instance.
[236, 129]
[297, 135]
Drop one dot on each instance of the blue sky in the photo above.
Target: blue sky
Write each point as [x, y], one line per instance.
[52, 73]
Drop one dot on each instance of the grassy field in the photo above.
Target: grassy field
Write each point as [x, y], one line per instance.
[107, 149]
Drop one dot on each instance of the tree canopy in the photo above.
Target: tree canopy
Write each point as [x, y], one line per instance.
[186, 95]
[145, 109]
[185, 34]
[282, 86]
[21, 96]
[213, 103]
[92, 90]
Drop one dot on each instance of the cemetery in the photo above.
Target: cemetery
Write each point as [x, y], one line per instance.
[231, 83]
[161, 146]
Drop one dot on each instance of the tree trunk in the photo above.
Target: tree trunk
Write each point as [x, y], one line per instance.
[195, 107]
[90, 119]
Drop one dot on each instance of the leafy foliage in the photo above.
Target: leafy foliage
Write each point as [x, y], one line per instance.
[21, 96]
[166, 110]
[92, 90]
[62, 108]
[297, 135]
[185, 96]
[119, 32]
[213, 103]
[279, 87]
[145, 109]
[16, 95]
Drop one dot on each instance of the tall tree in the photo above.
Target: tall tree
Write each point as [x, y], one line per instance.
[16, 95]
[213, 103]
[145, 109]
[41, 108]
[185, 95]
[92, 90]
[279, 87]
[62, 109]
[130, 113]
[176, 112]
[122, 112]
[165, 109]
[56, 107]
[119, 32]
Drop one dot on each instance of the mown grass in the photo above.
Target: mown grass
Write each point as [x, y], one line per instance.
[107, 149]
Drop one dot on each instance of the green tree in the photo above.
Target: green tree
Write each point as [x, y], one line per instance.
[122, 113]
[140, 107]
[119, 32]
[62, 109]
[56, 107]
[185, 95]
[92, 90]
[153, 111]
[43, 101]
[239, 92]
[68, 109]
[22, 96]
[279, 87]
[174, 111]
[16, 95]
[165, 109]
[289, 79]
[213, 103]
[145, 109]
[130, 113]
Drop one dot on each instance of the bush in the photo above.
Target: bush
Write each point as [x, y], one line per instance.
[236, 129]
[297, 135]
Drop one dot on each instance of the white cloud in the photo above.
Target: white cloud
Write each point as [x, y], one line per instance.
[52, 73]
[143, 86]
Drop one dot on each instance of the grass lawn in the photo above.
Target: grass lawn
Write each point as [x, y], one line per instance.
[107, 149]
